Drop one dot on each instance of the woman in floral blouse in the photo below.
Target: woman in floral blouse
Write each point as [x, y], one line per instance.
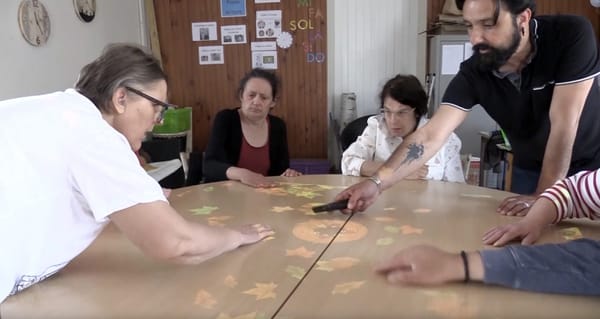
[403, 109]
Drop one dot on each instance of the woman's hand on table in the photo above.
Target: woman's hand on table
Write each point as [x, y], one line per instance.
[257, 180]
[516, 205]
[253, 233]
[528, 230]
[419, 174]
[290, 172]
[360, 195]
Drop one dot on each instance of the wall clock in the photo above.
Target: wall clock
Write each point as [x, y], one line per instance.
[284, 40]
[34, 22]
[85, 9]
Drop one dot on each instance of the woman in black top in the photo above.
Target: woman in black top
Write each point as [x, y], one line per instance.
[247, 143]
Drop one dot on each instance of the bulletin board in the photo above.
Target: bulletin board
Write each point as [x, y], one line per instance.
[191, 56]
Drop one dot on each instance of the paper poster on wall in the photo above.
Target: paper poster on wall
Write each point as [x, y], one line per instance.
[264, 54]
[266, 1]
[211, 55]
[233, 8]
[264, 59]
[233, 34]
[204, 31]
[452, 56]
[268, 24]
[263, 46]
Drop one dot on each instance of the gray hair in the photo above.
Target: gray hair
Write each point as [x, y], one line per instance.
[119, 65]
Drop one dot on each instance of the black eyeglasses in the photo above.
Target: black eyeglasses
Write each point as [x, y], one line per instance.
[401, 114]
[164, 105]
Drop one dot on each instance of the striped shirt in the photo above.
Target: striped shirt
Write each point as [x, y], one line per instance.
[577, 196]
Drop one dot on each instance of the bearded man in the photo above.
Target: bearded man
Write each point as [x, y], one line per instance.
[537, 78]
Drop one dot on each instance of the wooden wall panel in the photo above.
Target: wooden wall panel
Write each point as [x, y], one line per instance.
[210, 88]
[579, 7]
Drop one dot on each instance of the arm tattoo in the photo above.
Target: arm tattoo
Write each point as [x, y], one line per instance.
[415, 151]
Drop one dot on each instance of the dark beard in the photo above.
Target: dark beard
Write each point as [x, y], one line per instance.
[496, 57]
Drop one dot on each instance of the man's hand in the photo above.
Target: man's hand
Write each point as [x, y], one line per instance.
[360, 195]
[422, 265]
[516, 205]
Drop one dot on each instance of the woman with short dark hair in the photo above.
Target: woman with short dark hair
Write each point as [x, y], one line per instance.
[403, 110]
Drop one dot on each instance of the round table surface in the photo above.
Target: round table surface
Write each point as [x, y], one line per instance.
[315, 266]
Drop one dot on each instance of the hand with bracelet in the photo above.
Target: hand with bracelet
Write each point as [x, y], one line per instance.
[361, 195]
[427, 265]
[572, 266]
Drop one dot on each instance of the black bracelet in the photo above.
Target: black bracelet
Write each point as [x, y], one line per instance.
[466, 265]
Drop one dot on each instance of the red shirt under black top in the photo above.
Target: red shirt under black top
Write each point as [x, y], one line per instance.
[225, 144]
[253, 158]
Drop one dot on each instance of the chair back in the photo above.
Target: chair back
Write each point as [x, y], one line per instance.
[195, 168]
[164, 150]
[353, 130]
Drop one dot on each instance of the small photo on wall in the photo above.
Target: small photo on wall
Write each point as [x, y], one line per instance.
[211, 55]
[268, 24]
[233, 34]
[204, 31]
[264, 59]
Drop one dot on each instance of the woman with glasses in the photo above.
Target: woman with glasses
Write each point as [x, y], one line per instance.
[72, 169]
[247, 143]
[403, 110]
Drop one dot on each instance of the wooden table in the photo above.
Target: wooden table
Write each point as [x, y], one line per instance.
[308, 270]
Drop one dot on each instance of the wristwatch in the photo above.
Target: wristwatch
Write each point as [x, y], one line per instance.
[375, 179]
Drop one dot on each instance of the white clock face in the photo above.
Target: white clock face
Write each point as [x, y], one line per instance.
[284, 40]
[34, 22]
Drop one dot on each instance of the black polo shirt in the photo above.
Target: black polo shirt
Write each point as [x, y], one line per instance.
[565, 52]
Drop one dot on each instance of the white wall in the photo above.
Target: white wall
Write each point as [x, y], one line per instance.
[368, 43]
[28, 70]
[371, 41]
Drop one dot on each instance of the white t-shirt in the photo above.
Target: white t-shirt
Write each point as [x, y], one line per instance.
[377, 144]
[63, 171]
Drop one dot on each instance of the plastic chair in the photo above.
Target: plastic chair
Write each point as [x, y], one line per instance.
[353, 130]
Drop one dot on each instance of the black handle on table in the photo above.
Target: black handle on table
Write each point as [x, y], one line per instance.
[340, 204]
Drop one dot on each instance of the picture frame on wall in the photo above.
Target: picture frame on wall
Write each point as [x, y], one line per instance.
[85, 10]
[233, 8]
[211, 55]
